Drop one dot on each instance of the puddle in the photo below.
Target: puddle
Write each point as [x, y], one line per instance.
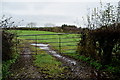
[54, 53]
[42, 46]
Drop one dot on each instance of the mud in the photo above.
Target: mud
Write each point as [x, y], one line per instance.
[23, 68]
[78, 69]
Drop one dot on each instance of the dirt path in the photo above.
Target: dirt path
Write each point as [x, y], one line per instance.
[24, 68]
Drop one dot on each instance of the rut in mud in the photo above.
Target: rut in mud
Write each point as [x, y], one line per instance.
[23, 68]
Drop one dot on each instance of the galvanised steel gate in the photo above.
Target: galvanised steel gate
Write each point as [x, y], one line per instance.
[59, 42]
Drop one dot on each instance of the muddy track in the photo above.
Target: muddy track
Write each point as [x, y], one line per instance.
[24, 68]
[78, 70]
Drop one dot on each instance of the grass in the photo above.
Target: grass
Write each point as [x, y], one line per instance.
[48, 65]
[69, 37]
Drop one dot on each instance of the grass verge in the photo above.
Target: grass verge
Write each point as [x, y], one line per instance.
[48, 65]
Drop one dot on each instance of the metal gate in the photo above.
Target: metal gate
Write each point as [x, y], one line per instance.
[59, 42]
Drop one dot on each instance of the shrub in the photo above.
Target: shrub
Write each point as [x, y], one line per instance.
[7, 43]
[99, 43]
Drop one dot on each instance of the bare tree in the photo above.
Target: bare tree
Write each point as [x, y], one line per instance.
[104, 16]
[49, 25]
[6, 22]
[118, 12]
[31, 24]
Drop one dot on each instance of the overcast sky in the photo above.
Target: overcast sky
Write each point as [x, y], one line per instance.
[57, 12]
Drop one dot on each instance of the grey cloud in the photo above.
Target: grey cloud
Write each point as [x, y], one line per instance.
[47, 12]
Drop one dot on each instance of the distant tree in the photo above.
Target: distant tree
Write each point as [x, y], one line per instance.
[31, 24]
[68, 26]
[49, 25]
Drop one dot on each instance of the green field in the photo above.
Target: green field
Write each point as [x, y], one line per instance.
[53, 40]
